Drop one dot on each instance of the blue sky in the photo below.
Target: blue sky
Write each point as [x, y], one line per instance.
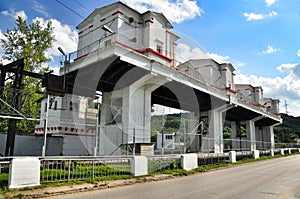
[259, 37]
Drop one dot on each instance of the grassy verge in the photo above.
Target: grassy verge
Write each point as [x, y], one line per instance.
[174, 172]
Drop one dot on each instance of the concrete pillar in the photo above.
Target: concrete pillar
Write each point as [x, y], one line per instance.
[281, 151]
[232, 156]
[269, 135]
[126, 115]
[139, 166]
[250, 129]
[234, 135]
[215, 129]
[189, 161]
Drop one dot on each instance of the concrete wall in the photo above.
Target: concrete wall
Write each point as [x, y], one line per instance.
[32, 145]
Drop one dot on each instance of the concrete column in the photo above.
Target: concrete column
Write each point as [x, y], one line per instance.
[234, 135]
[126, 115]
[269, 135]
[250, 128]
[215, 129]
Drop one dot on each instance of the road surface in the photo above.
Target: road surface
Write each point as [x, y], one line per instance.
[274, 178]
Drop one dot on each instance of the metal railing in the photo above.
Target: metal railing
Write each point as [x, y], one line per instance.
[68, 169]
[211, 158]
[160, 163]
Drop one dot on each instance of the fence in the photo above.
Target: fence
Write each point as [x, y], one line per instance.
[67, 169]
[160, 163]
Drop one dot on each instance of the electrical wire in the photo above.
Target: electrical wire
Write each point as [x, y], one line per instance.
[82, 6]
[72, 10]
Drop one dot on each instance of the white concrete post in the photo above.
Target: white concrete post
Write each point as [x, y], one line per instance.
[250, 128]
[255, 154]
[139, 165]
[232, 156]
[24, 172]
[189, 161]
[272, 152]
[281, 151]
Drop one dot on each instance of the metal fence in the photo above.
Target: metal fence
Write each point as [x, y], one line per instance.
[68, 169]
[160, 163]
[211, 158]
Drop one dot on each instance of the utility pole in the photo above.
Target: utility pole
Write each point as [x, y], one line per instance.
[286, 107]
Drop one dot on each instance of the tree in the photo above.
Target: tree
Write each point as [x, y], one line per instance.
[31, 43]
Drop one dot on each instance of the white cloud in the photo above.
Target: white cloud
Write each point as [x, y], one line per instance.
[298, 53]
[176, 11]
[283, 88]
[65, 37]
[254, 16]
[184, 53]
[12, 13]
[270, 50]
[286, 68]
[270, 2]
[219, 58]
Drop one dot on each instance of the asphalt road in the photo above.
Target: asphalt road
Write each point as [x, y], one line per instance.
[275, 178]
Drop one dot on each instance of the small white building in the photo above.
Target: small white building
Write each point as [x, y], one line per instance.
[165, 140]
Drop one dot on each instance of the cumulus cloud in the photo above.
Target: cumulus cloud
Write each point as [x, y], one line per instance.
[298, 53]
[65, 37]
[283, 88]
[270, 2]
[286, 68]
[14, 14]
[176, 11]
[184, 53]
[254, 16]
[270, 50]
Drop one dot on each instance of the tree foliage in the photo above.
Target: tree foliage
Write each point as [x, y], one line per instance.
[31, 43]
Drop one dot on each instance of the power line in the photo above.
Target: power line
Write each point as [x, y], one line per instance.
[70, 9]
[82, 6]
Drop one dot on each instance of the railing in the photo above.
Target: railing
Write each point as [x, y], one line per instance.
[160, 163]
[4, 170]
[68, 169]
[211, 158]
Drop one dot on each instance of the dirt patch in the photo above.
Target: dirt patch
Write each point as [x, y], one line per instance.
[69, 189]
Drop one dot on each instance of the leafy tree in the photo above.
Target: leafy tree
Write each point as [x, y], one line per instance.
[31, 43]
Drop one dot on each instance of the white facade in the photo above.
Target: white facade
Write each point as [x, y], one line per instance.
[147, 33]
[215, 75]
[250, 94]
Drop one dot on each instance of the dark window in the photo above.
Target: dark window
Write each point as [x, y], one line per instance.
[159, 49]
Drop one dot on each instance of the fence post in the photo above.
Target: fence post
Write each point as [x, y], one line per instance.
[93, 169]
[69, 170]
[232, 156]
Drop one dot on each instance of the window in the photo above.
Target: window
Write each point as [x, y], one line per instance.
[169, 137]
[159, 49]
[107, 43]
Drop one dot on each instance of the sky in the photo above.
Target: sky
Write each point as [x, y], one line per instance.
[259, 37]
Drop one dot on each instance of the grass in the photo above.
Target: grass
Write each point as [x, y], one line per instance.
[112, 173]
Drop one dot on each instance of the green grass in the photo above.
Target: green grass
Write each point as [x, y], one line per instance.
[108, 173]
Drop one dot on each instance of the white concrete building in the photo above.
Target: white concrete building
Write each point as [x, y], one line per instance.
[165, 141]
[130, 57]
